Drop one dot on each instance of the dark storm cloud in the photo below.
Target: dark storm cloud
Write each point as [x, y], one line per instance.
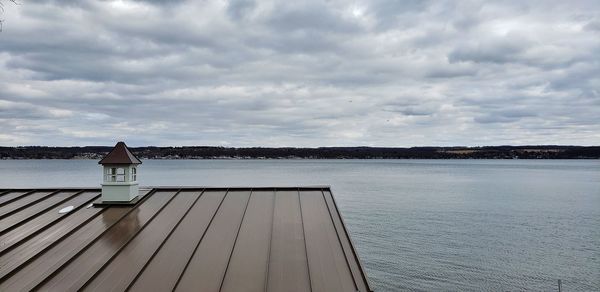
[310, 73]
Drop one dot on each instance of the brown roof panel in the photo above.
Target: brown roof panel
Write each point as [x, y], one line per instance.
[327, 264]
[86, 265]
[248, 264]
[35, 209]
[23, 202]
[19, 251]
[120, 154]
[122, 270]
[163, 270]
[42, 221]
[41, 257]
[288, 263]
[351, 256]
[9, 196]
[178, 238]
[206, 268]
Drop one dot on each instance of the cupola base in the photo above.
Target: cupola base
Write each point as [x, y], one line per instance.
[121, 192]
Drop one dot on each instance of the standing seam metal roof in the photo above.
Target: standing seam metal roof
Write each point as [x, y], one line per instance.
[201, 239]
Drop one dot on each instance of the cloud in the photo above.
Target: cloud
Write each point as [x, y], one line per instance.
[311, 73]
[493, 51]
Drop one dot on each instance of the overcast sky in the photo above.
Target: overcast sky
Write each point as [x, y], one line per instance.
[300, 73]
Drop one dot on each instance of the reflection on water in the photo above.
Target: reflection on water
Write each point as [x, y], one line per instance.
[430, 225]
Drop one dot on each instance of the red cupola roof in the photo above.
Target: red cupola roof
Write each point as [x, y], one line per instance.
[120, 154]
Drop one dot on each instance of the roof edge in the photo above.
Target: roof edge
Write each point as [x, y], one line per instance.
[290, 188]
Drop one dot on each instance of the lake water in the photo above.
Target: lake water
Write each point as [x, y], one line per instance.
[423, 225]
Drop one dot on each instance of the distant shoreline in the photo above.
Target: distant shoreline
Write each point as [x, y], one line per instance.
[212, 152]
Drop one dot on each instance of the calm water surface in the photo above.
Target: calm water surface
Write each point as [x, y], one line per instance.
[423, 225]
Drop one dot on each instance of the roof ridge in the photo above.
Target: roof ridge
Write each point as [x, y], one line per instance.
[120, 154]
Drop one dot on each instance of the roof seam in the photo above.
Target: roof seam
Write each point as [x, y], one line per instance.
[340, 241]
[29, 204]
[304, 238]
[27, 193]
[51, 245]
[30, 256]
[118, 251]
[199, 241]
[163, 242]
[25, 220]
[266, 285]
[17, 197]
[49, 225]
[356, 257]
[235, 240]
[66, 263]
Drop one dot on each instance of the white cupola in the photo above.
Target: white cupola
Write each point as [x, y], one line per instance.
[119, 175]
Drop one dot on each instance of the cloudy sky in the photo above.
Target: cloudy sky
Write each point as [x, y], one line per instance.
[300, 73]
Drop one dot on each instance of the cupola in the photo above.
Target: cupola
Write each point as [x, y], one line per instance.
[119, 182]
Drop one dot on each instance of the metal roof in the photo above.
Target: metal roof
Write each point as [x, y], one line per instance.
[202, 239]
[120, 154]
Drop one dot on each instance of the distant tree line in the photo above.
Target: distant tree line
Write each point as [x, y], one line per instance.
[209, 152]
